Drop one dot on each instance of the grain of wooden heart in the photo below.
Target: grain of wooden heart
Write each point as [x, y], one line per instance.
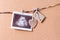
[33, 22]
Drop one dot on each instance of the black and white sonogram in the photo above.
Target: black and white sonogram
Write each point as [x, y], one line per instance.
[21, 21]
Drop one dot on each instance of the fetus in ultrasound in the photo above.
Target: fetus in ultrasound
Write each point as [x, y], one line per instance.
[22, 22]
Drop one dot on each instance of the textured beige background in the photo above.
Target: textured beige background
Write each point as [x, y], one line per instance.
[48, 30]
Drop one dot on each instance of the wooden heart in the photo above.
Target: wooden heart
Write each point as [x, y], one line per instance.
[33, 23]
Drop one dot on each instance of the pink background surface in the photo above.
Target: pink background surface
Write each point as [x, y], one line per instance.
[48, 30]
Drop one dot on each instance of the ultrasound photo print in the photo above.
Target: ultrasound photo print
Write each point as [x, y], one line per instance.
[21, 21]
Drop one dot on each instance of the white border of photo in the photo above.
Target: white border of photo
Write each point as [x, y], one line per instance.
[19, 28]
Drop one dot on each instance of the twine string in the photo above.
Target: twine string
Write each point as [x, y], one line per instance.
[33, 9]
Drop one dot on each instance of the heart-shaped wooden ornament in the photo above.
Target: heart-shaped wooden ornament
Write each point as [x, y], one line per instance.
[33, 22]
